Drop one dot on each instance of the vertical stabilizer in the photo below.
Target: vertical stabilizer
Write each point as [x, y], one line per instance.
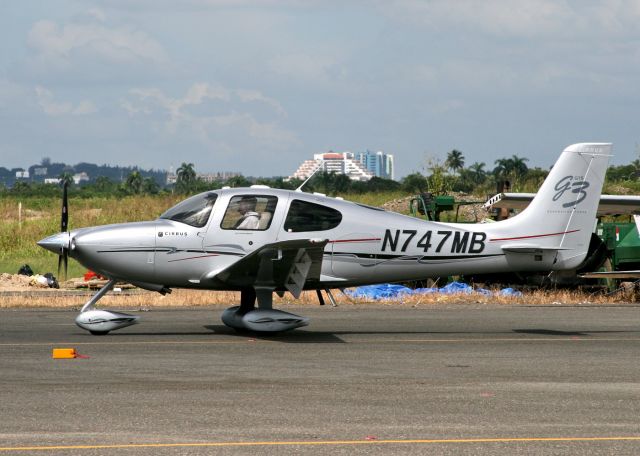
[563, 213]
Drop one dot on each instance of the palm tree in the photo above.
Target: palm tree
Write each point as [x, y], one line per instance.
[134, 182]
[478, 174]
[454, 161]
[186, 178]
[503, 168]
[518, 166]
[66, 178]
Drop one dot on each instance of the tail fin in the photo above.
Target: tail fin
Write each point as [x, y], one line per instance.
[562, 215]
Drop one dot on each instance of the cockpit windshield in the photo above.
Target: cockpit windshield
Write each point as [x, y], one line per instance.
[193, 211]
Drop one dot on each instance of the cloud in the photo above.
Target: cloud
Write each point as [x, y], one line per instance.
[493, 48]
[520, 18]
[97, 14]
[316, 70]
[56, 108]
[14, 98]
[198, 5]
[87, 49]
[151, 99]
[116, 45]
[247, 96]
[225, 118]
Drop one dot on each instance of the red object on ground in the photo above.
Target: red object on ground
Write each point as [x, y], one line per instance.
[89, 275]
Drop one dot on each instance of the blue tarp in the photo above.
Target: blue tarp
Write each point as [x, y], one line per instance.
[510, 292]
[388, 291]
[383, 291]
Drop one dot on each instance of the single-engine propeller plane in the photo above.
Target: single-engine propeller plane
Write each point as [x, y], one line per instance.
[260, 240]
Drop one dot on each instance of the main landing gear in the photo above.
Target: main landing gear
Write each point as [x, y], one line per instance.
[262, 319]
[245, 316]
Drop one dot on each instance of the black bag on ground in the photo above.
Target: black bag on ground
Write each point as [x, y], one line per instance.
[51, 280]
[26, 270]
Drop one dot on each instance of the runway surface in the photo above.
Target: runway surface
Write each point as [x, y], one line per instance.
[359, 380]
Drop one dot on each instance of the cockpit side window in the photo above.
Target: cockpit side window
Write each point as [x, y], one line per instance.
[249, 212]
[306, 216]
[194, 211]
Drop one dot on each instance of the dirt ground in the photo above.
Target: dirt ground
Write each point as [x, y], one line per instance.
[20, 291]
[16, 282]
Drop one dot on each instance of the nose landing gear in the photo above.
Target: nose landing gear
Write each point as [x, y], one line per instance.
[101, 322]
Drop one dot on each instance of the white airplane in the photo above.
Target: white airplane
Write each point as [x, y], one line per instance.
[259, 241]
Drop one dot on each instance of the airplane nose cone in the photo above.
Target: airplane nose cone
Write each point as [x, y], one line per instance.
[55, 243]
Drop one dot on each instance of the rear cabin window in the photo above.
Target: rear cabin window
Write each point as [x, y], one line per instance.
[305, 216]
[193, 211]
[249, 212]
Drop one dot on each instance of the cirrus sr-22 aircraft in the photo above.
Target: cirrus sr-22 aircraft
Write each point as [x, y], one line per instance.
[260, 240]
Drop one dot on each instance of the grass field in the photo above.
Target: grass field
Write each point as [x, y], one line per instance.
[40, 217]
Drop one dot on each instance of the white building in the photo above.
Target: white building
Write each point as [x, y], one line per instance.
[210, 178]
[377, 163]
[217, 177]
[337, 162]
[80, 177]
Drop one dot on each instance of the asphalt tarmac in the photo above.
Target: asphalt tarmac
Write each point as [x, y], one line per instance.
[358, 380]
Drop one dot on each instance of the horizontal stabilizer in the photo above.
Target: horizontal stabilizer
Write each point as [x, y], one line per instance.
[611, 275]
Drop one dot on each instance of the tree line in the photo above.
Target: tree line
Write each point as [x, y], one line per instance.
[439, 177]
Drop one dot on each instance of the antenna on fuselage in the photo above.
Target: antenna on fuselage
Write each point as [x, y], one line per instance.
[299, 189]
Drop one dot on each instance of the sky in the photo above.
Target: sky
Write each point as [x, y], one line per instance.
[259, 86]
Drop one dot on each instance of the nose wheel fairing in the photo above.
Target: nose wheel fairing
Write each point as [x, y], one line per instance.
[100, 322]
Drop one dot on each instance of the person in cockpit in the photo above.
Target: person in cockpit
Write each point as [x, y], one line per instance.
[250, 219]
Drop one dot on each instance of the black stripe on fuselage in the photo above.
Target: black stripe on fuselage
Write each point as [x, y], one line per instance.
[370, 256]
[170, 251]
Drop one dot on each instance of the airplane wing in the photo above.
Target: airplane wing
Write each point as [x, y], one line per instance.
[278, 265]
[609, 204]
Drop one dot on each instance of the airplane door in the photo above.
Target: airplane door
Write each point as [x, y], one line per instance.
[244, 223]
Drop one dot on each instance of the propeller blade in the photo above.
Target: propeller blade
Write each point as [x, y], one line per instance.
[64, 218]
[60, 263]
[63, 258]
[66, 263]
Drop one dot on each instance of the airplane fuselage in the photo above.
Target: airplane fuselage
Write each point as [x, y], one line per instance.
[260, 240]
[367, 245]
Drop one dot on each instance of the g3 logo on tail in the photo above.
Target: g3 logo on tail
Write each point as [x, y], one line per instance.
[577, 186]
